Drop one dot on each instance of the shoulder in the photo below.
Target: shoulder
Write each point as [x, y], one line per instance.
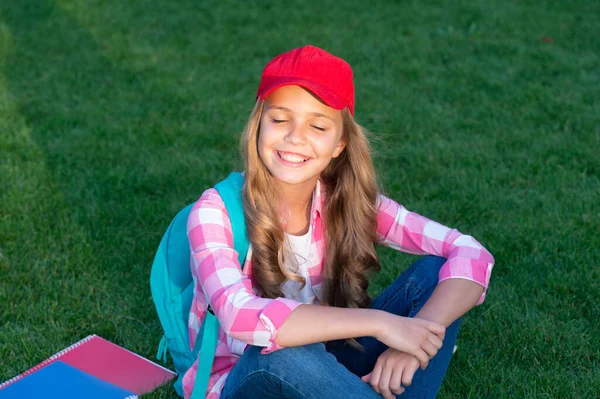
[210, 199]
[389, 213]
[209, 213]
[386, 205]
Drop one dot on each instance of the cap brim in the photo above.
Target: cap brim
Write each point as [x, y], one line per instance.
[328, 96]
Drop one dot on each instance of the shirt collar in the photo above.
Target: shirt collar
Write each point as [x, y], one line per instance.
[317, 205]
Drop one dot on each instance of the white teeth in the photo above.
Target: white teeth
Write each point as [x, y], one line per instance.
[291, 157]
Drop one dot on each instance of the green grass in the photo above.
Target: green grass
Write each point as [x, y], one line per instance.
[115, 114]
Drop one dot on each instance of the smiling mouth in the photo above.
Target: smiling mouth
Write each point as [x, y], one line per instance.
[291, 157]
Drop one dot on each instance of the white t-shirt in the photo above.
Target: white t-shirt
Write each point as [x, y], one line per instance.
[300, 248]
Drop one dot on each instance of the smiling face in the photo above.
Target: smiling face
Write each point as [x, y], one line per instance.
[299, 135]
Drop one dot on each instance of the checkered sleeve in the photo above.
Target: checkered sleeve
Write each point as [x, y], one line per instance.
[412, 233]
[218, 275]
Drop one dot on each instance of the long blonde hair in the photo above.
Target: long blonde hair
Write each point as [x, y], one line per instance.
[350, 218]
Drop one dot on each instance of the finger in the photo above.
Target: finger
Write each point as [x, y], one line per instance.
[366, 378]
[422, 357]
[396, 381]
[389, 395]
[407, 375]
[384, 383]
[436, 341]
[375, 375]
[430, 349]
[437, 329]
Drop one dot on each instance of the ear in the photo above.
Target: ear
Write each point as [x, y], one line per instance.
[339, 148]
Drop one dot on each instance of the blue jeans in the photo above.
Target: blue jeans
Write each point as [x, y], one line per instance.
[334, 371]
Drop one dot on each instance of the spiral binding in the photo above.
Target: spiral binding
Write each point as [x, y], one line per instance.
[50, 360]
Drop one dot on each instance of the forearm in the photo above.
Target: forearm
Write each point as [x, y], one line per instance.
[450, 300]
[308, 324]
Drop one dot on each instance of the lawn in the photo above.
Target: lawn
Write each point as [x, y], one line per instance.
[486, 118]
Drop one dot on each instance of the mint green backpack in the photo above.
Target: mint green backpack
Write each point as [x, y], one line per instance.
[172, 289]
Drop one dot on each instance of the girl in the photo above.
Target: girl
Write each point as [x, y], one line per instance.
[296, 321]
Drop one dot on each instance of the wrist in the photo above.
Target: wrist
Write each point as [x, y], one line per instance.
[379, 324]
[429, 317]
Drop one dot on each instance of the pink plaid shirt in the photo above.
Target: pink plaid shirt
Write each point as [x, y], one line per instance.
[248, 319]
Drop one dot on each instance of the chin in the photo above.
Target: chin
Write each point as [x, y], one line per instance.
[286, 178]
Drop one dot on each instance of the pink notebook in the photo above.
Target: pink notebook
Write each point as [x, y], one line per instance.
[109, 362]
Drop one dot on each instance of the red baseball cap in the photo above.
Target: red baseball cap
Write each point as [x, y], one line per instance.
[325, 75]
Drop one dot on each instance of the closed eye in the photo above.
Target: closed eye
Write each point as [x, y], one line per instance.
[278, 120]
[322, 129]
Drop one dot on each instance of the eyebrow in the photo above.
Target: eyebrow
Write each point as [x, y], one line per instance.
[317, 114]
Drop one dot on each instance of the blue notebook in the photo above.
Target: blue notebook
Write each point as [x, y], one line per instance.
[59, 380]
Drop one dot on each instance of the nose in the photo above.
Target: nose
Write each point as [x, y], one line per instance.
[296, 134]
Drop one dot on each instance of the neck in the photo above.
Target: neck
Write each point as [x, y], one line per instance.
[297, 199]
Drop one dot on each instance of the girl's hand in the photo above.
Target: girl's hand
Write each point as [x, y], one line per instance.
[392, 370]
[418, 337]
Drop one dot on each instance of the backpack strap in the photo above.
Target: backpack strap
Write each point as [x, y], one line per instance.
[207, 355]
[230, 191]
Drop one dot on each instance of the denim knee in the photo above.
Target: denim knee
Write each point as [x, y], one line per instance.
[306, 372]
[425, 271]
[306, 365]
[292, 359]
